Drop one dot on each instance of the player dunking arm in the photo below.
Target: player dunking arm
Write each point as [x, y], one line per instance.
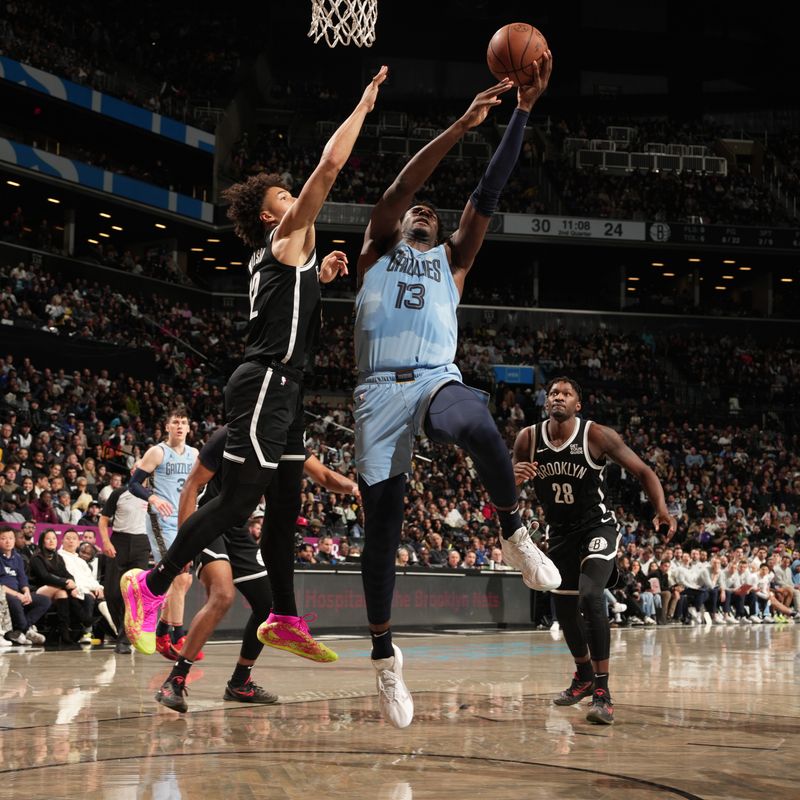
[231, 561]
[564, 459]
[264, 453]
[405, 338]
[167, 464]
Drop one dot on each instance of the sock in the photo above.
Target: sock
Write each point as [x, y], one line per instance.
[382, 644]
[584, 671]
[601, 681]
[241, 674]
[510, 521]
[181, 668]
[178, 632]
[160, 578]
[162, 629]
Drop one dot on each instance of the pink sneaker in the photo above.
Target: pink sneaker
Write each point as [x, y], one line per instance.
[292, 634]
[141, 611]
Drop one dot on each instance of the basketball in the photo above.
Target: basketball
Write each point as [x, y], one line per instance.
[512, 51]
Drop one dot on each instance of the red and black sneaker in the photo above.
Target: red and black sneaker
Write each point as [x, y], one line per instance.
[172, 694]
[176, 650]
[577, 690]
[164, 646]
[249, 692]
[602, 709]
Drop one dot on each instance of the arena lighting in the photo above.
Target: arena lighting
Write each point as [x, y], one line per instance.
[209, 258]
[53, 200]
[786, 280]
[93, 241]
[720, 288]
[161, 225]
[116, 228]
[728, 261]
[236, 263]
[695, 260]
[668, 274]
[631, 288]
[633, 278]
[745, 269]
[657, 264]
[197, 249]
[220, 267]
[214, 241]
[338, 241]
[727, 277]
[104, 215]
[105, 235]
[12, 183]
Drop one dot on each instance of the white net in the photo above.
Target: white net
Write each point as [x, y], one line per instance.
[344, 21]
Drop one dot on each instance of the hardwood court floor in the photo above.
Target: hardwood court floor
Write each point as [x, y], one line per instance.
[702, 713]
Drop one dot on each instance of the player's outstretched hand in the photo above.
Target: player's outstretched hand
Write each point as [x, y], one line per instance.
[665, 524]
[164, 507]
[528, 95]
[371, 92]
[483, 101]
[524, 471]
[333, 265]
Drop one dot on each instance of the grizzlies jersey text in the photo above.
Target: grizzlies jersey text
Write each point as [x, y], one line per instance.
[406, 311]
[284, 309]
[569, 484]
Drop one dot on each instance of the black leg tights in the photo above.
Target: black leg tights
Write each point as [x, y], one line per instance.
[583, 616]
[458, 416]
[231, 508]
[258, 594]
[383, 517]
[277, 536]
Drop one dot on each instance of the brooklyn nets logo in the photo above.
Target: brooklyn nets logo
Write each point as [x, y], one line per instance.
[660, 232]
[597, 544]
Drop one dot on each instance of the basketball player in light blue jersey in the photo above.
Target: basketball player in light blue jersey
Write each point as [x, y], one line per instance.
[167, 465]
[405, 338]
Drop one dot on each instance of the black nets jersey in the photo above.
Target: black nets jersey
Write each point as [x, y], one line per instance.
[569, 484]
[285, 309]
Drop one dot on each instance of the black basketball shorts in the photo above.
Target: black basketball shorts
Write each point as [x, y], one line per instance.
[264, 413]
[570, 551]
[240, 550]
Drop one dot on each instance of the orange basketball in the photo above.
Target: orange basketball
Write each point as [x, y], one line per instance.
[513, 50]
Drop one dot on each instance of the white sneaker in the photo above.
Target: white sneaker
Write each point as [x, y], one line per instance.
[706, 618]
[555, 626]
[618, 619]
[693, 613]
[34, 636]
[538, 571]
[618, 608]
[718, 618]
[649, 621]
[86, 638]
[755, 619]
[18, 637]
[636, 621]
[396, 703]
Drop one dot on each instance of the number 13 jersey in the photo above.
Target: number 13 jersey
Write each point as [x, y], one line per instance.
[406, 311]
[569, 484]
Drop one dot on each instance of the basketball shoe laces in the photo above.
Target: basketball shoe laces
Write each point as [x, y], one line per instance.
[388, 681]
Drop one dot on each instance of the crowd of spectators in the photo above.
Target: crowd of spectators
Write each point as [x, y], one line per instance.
[158, 58]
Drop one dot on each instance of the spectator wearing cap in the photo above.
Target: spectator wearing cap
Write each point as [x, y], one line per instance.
[92, 515]
[11, 511]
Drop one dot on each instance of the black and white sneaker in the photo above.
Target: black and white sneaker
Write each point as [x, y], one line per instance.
[18, 637]
[602, 709]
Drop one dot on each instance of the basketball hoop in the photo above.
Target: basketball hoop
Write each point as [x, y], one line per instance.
[344, 21]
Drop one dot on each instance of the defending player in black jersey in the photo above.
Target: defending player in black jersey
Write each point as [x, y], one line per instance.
[232, 560]
[264, 453]
[564, 458]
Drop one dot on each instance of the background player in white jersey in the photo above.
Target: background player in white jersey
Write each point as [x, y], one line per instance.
[405, 337]
[564, 458]
[264, 450]
[167, 465]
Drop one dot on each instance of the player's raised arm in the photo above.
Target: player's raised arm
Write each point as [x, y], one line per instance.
[467, 240]
[384, 226]
[328, 479]
[607, 442]
[289, 241]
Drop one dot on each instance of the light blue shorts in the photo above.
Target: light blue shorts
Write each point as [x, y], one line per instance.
[389, 415]
[167, 527]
